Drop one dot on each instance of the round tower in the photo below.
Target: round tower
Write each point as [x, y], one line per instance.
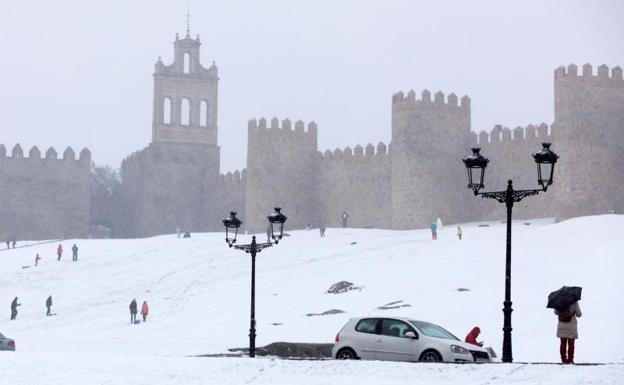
[589, 134]
[429, 138]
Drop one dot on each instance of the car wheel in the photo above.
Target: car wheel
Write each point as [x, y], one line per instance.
[346, 354]
[430, 356]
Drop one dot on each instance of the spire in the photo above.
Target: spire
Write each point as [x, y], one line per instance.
[188, 19]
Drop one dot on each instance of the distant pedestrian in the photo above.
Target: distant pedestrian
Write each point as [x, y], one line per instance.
[471, 338]
[49, 306]
[144, 310]
[345, 218]
[567, 331]
[322, 231]
[133, 310]
[14, 306]
[434, 231]
[459, 232]
[59, 251]
[74, 252]
[8, 243]
[13, 242]
[37, 259]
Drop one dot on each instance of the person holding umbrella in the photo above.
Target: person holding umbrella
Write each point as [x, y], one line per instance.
[567, 309]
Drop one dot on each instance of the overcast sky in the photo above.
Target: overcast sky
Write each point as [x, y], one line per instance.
[78, 72]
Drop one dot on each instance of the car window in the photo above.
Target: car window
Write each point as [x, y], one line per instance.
[395, 328]
[367, 325]
[433, 330]
[1, 336]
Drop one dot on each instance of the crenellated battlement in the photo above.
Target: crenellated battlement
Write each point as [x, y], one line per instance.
[285, 126]
[588, 73]
[233, 178]
[357, 153]
[503, 134]
[34, 154]
[401, 100]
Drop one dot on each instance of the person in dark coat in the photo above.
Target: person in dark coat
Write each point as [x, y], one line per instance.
[49, 305]
[345, 218]
[14, 306]
[133, 310]
[74, 252]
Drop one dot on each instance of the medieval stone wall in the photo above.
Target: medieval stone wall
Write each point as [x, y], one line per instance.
[44, 198]
[357, 181]
[224, 194]
[163, 188]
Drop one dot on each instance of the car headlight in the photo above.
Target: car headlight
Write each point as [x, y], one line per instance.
[459, 349]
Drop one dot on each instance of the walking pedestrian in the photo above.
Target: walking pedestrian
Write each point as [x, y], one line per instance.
[344, 218]
[14, 306]
[144, 310]
[59, 251]
[133, 310]
[434, 231]
[459, 232]
[13, 242]
[567, 331]
[74, 252]
[49, 306]
[322, 231]
[37, 259]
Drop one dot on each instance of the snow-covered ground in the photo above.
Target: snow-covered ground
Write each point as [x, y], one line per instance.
[198, 292]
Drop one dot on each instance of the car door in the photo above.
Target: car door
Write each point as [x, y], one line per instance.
[392, 345]
[364, 337]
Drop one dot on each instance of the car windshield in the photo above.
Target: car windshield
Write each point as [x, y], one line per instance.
[1, 336]
[432, 330]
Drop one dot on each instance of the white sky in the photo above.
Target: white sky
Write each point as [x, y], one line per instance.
[78, 72]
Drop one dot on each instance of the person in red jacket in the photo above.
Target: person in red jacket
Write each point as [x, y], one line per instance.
[59, 251]
[471, 338]
[144, 310]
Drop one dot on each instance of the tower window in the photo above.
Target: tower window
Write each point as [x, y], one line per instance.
[203, 113]
[187, 63]
[167, 111]
[185, 112]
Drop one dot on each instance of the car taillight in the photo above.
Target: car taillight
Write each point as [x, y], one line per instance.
[11, 344]
[338, 337]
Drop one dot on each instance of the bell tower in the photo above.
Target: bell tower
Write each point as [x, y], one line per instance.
[185, 97]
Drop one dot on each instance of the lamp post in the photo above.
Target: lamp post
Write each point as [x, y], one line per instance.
[232, 225]
[475, 165]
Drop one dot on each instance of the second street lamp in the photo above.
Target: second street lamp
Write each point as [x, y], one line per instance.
[475, 165]
[232, 224]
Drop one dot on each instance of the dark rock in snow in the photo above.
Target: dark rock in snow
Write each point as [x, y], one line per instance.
[393, 305]
[327, 312]
[340, 287]
[290, 350]
[484, 225]
[353, 243]
[462, 289]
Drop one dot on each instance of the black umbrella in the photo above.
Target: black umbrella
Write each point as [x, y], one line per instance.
[561, 299]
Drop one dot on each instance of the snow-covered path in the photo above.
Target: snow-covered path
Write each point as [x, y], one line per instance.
[198, 292]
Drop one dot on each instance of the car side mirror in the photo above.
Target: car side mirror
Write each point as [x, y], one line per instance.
[411, 335]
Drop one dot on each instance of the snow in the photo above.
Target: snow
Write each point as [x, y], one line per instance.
[198, 292]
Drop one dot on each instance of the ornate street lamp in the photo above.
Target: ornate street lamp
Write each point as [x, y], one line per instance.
[232, 225]
[476, 164]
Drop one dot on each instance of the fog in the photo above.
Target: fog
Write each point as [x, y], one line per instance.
[78, 73]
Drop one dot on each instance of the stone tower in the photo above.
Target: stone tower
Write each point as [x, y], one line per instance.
[185, 97]
[169, 184]
[282, 170]
[428, 139]
[589, 123]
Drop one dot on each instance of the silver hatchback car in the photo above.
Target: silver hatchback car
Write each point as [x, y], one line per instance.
[402, 339]
[6, 343]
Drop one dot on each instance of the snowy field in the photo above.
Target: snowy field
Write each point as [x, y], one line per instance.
[198, 292]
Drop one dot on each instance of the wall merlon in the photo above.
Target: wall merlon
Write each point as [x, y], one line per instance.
[587, 70]
[358, 151]
[286, 124]
[603, 71]
[506, 134]
[382, 149]
[439, 97]
[34, 153]
[452, 99]
[542, 130]
[531, 132]
[616, 73]
[85, 155]
[484, 137]
[262, 123]
[252, 124]
[312, 128]
[465, 102]
[51, 153]
[69, 154]
[425, 96]
[572, 70]
[2, 151]
[17, 152]
[411, 96]
[518, 133]
[275, 123]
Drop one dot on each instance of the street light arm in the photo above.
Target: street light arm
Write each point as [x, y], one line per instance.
[516, 195]
[258, 246]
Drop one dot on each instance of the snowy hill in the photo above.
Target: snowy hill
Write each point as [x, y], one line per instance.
[198, 288]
